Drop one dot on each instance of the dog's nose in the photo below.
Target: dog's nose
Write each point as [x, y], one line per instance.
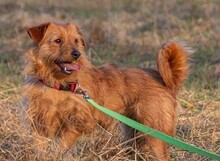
[75, 54]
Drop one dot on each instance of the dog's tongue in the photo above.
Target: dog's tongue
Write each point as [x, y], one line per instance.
[71, 66]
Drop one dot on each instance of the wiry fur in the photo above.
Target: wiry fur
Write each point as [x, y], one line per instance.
[146, 96]
[173, 58]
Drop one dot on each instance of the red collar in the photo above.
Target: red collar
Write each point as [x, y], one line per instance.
[71, 86]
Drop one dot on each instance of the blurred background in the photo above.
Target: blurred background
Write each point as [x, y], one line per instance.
[127, 33]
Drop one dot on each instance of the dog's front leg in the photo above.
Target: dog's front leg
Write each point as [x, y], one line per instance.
[68, 138]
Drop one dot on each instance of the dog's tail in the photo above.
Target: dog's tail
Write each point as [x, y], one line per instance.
[172, 64]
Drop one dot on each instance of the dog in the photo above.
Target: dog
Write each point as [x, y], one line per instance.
[57, 67]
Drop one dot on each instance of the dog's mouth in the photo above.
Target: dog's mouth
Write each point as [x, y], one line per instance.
[67, 67]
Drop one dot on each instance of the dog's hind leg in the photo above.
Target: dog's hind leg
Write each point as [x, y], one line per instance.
[158, 147]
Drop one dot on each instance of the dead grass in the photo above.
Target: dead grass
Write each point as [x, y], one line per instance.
[127, 33]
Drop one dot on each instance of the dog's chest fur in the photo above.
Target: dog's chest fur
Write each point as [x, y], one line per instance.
[51, 109]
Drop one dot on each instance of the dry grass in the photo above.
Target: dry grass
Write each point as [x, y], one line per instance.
[127, 33]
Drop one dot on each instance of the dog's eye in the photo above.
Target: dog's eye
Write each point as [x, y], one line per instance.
[58, 41]
[76, 41]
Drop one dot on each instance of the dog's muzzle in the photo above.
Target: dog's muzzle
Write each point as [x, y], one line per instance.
[68, 67]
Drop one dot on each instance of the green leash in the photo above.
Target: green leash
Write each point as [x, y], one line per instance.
[152, 132]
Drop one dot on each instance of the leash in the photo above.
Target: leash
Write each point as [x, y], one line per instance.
[72, 86]
[152, 132]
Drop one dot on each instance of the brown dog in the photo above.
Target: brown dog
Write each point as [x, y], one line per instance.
[57, 65]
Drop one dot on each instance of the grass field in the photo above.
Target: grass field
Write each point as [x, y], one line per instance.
[128, 33]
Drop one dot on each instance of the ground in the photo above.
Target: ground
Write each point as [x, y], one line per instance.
[128, 33]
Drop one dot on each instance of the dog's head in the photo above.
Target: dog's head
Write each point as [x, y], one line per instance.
[59, 48]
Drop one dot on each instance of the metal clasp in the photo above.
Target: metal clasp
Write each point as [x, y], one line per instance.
[82, 92]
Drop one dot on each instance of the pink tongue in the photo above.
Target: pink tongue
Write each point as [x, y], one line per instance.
[71, 66]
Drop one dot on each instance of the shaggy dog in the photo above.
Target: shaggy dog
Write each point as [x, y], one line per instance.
[57, 65]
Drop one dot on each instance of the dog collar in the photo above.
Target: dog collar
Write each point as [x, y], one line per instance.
[70, 86]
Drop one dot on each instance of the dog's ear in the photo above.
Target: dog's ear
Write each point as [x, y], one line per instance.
[81, 36]
[37, 33]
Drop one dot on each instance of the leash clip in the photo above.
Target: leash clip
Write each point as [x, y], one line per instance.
[82, 92]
